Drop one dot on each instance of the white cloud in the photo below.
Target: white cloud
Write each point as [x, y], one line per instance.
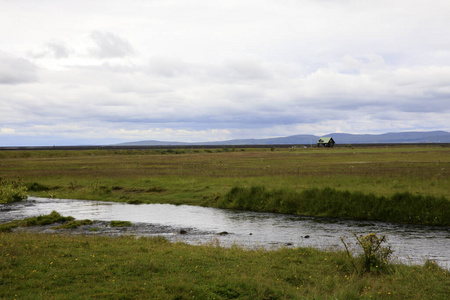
[7, 131]
[208, 70]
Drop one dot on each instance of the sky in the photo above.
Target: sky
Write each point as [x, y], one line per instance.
[104, 72]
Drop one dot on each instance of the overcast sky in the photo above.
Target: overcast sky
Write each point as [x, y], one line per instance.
[102, 72]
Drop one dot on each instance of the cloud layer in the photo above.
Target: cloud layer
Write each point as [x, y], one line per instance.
[81, 72]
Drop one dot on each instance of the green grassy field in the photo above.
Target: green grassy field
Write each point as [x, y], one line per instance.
[42, 266]
[205, 176]
[193, 174]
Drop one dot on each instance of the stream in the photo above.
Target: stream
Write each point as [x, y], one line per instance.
[411, 243]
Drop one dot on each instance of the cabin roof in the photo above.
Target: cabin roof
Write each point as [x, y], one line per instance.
[324, 140]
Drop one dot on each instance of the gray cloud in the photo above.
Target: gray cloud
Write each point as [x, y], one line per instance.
[53, 49]
[244, 69]
[58, 49]
[109, 45]
[202, 72]
[15, 70]
[165, 67]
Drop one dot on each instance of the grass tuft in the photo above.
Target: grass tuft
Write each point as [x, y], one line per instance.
[120, 224]
[74, 224]
[52, 218]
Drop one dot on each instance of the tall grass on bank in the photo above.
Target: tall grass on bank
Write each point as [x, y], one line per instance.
[43, 266]
[328, 202]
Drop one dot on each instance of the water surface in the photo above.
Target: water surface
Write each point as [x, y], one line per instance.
[411, 243]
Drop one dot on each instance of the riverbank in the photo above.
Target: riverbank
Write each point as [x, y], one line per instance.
[327, 202]
[205, 176]
[68, 267]
[411, 244]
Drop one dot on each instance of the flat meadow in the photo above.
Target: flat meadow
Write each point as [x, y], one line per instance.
[398, 181]
[200, 176]
[380, 182]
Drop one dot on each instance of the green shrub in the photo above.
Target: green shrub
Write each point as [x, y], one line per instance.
[12, 191]
[374, 255]
[36, 187]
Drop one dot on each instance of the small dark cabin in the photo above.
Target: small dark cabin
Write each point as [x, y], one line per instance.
[325, 142]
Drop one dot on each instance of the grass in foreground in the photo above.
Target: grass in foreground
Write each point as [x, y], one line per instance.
[42, 266]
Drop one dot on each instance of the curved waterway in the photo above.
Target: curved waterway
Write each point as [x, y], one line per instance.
[411, 243]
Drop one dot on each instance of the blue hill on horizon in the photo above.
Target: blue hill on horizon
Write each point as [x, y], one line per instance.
[306, 139]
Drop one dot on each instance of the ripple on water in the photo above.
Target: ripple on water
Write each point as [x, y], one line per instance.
[410, 243]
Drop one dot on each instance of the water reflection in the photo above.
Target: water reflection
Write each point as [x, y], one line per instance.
[249, 229]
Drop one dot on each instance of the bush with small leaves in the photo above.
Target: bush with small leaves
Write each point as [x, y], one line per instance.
[12, 190]
[374, 254]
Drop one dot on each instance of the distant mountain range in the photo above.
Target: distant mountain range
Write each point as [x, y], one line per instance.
[306, 139]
